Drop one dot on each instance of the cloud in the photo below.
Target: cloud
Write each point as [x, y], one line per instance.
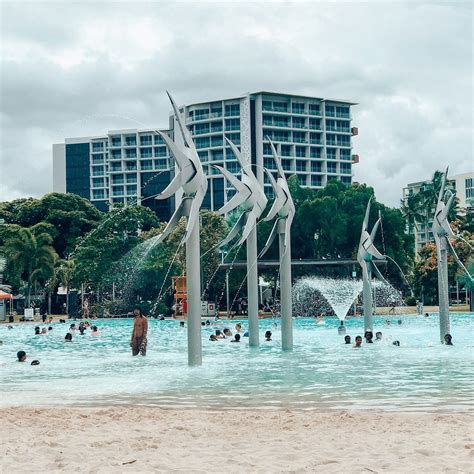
[82, 69]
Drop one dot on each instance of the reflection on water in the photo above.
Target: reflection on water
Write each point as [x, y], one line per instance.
[321, 373]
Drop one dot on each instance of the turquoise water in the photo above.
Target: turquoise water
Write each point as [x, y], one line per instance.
[321, 373]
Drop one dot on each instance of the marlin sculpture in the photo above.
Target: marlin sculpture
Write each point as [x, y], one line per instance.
[367, 251]
[249, 195]
[284, 211]
[283, 206]
[190, 178]
[442, 233]
[252, 199]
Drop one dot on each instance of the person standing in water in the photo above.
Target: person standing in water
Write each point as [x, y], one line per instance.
[139, 334]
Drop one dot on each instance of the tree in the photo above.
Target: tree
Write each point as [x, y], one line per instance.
[64, 273]
[411, 211]
[467, 280]
[32, 256]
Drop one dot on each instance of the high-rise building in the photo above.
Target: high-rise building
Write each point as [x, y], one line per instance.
[313, 137]
[461, 184]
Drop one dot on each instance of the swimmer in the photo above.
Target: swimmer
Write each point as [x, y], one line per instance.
[238, 327]
[219, 334]
[202, 323]
[181, 324]
[68, 337]
[246, 334]
[268, 336]
[44, 331]
[448, 340]
[427, 315]
[227, 332]
[236, 338]
[274, 325]
[378, 336]
[341, 329]
[21, 356]
[35, 362]
[95, 331]
[82, 330]
[50, 328]
[358, 341]
[396, 343]
[37, 331]
[347, 339]
[212, 337]
[10, 326]
[388, 322]
[399, 322]
[72, 329]
[369, 335]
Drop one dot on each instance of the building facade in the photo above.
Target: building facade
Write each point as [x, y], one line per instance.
[461, 184]
[313, 137]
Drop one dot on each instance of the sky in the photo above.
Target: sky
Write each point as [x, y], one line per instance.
[84, 68]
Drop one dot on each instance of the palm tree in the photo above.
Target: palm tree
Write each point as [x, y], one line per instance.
[65, 270]
[468, 280]
[31, 255]
[411, 211]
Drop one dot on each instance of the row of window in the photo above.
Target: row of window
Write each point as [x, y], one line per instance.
[294, 107]
[214, 111]
[131, 140]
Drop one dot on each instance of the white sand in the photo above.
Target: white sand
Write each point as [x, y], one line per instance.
[104, 440]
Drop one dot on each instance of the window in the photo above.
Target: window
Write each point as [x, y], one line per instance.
[316, 167]
[117, 190]
[299, 137]
[201, 128]
[316, 181]
[98, 194]
[201, 114]
[300, 165]
[130, 153]
[286, 164]
[234, 138]
[343, 140]
[130, 140]
[116, 166]
[297, 108]
[158, 140]
[232, 166]
[315, 124]
[216, 126]
[314, 109]
[267, 149]
[146, 140]
[217, 155]
[315, 152]
[331, 167]
[346, 180]
[315, 138]
[286, 150]
[342, 112]
[269, 163]
[331, 154]
[132, 190]
[146, 152]
[161, 164]
[97, 182]
[469, 184]
[232, 110]
[345, 154]
[116, 154]
[300, 151]
[202, 142]
[232, 124]
[98, 159]
[161, 151]
[298, 122]
[147, 165]
[216, 140]
[346, 168]
[116, 141]
[97, 146]
[131, 178]
[203, 156]
[131, 165]
[117, 179]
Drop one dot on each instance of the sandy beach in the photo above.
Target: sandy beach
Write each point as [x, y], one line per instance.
[125, 439]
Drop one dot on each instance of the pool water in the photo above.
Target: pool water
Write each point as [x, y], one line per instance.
[321, 373]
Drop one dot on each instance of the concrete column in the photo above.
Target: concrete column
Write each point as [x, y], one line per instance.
[368, 302]
[252, 287]
[285, 291]
[193, 290]
[443, 298]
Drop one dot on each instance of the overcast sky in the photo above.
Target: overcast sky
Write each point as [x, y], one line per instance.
[85, 68]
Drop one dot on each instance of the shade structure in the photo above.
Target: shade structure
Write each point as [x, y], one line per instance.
[5, 296]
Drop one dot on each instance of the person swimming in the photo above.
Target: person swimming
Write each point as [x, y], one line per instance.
[358, 341]
[378, 336]
[219, 334]
[341, 329]
[347, 339]
[227, 332]
[369, 335]
[427, 315]
[37, 331]
[44, 331]
[236, 338]
[68, 337]
[208, 323]
[95, 331]
[396, 343]
[21, 356]
[213, 337]
[50, 328]
[448, 340]
[181, 324]
[268, 336]
[238, 327]
[399, 322]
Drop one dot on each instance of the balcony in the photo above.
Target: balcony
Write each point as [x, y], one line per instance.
[201, 117]
[355, 158]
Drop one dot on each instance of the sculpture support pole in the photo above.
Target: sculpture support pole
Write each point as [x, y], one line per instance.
[443, 289]
[193, 293]
[368, 302]
[252, 287]
[285, 291]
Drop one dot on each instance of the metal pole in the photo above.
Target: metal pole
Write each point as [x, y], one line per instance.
[193, 292]
[368, 303]
[252, 287]
[227, 293]
[443, 288]
[285, 290]
[113, 291]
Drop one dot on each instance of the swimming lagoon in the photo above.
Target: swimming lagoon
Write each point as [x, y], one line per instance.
[322, 373]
